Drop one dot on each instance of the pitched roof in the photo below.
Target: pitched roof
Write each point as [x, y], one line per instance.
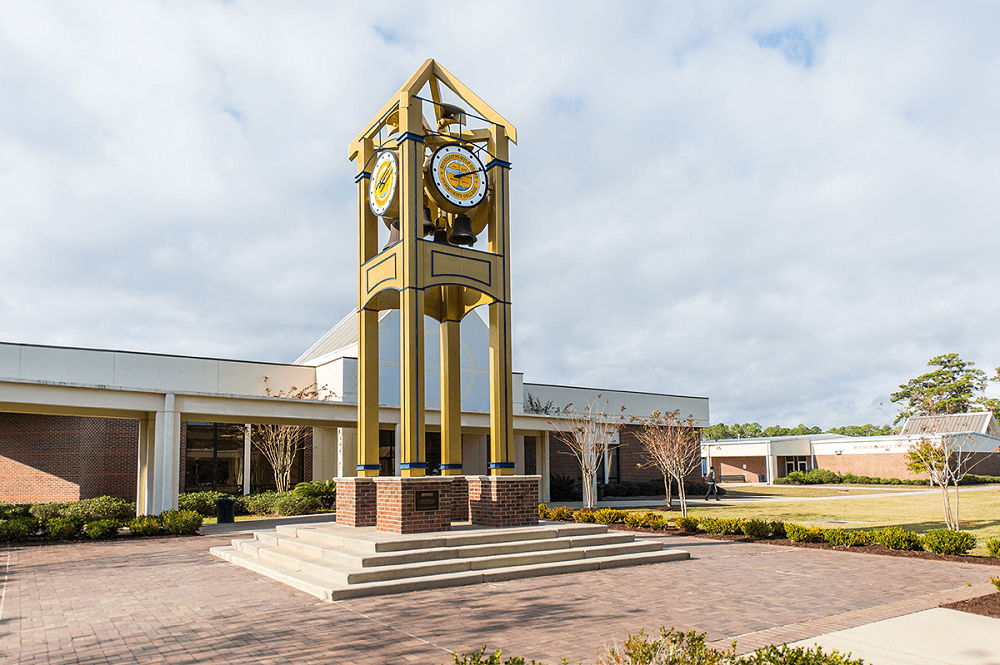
[980, 422]
[340, 337]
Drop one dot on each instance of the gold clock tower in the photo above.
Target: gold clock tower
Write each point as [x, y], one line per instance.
[434, 171]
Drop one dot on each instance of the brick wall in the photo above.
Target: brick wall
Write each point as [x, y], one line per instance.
[459, 499]
[356, 502]
[66, 458]
[397, 511]
[733, 466]
[632, 464]
[503, 501]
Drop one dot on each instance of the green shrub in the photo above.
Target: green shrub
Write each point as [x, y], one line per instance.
[721, 526]
[100, 508]
[202, 503]
[689, 648]
[181, 522]
[584, 515]
[996, 581]
[821, 477]
[635, 520]
[689, 524]
[101, 529]
[290, 504]
[564, 488]
[845, 537]
[323, 490]
[482, 658]
[561, 514]
[62, 528]
[9, 511]
[801, 534]
[609, 516]
[896, 538]
[259, 504]
[144, 525]
[993, 547]
[658, 524]
[43, 512]
[543, 512]
[944, 541]
[786, 655]
[755, 528]
[17, 528]
[777, 528]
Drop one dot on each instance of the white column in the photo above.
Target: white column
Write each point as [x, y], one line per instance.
[247, 457]
[544, 467]
[347, 452]
[145, 481]
[326, 442]
[770, 465]
[519, 454]
[166, 457]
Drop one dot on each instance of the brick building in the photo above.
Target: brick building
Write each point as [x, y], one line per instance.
[764, 459]
[77, 423]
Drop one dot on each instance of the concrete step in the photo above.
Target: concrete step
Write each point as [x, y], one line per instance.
[330, 592]
[311, 544]
[335, 570]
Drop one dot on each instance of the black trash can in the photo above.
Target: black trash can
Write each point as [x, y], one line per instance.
[225, 510]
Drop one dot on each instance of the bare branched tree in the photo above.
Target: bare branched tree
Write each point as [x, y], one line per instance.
[280, 444]
[944, 461]
[588, 432]
[672, 445]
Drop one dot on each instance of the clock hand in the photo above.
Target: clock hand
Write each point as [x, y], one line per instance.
[381, 181]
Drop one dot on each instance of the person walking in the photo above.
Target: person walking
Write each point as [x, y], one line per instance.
[713, 489]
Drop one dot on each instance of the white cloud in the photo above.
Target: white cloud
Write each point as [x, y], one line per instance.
[787, 208]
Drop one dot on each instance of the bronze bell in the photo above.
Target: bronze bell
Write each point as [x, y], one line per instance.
[429, 225]
[461, 232]
[393, 235]
[441, 236]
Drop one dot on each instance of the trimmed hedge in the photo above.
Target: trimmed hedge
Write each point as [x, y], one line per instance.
[181, 522]
[145, 525]
[17, 528]
[101, 529]
[945, 541]
[896, 538]
[993, 547]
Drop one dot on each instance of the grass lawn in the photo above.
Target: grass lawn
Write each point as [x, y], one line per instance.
[812, 490]
[980, 512]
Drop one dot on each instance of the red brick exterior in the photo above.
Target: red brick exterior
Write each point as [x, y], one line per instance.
[356, 501]
[632, 464]
[733, 466]
[503, 501]
[459, 499]
[66, 458]
[397, 511]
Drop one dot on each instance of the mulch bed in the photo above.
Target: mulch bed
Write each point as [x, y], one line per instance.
[988, 605]
[858, 549]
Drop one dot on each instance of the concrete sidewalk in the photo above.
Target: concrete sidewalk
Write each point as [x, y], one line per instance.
[937, 636]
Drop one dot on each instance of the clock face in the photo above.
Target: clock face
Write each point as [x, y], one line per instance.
[385, 177]
[458, 178]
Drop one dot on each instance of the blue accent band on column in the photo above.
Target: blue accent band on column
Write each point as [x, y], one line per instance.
[413, 465]
[501, 465]
[369, 467]
[451, 466]
[363, 174]
[410, 135]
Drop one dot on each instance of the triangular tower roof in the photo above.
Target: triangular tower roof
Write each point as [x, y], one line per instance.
[434, 72]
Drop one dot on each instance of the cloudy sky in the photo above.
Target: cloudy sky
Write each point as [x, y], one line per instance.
[786, 207]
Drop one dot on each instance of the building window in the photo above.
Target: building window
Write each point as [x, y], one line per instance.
[214, 458]
[530, 466]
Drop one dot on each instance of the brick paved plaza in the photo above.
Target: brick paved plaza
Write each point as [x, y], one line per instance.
[168, 600]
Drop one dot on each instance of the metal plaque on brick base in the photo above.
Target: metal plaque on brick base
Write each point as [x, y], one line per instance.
[426, 500]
